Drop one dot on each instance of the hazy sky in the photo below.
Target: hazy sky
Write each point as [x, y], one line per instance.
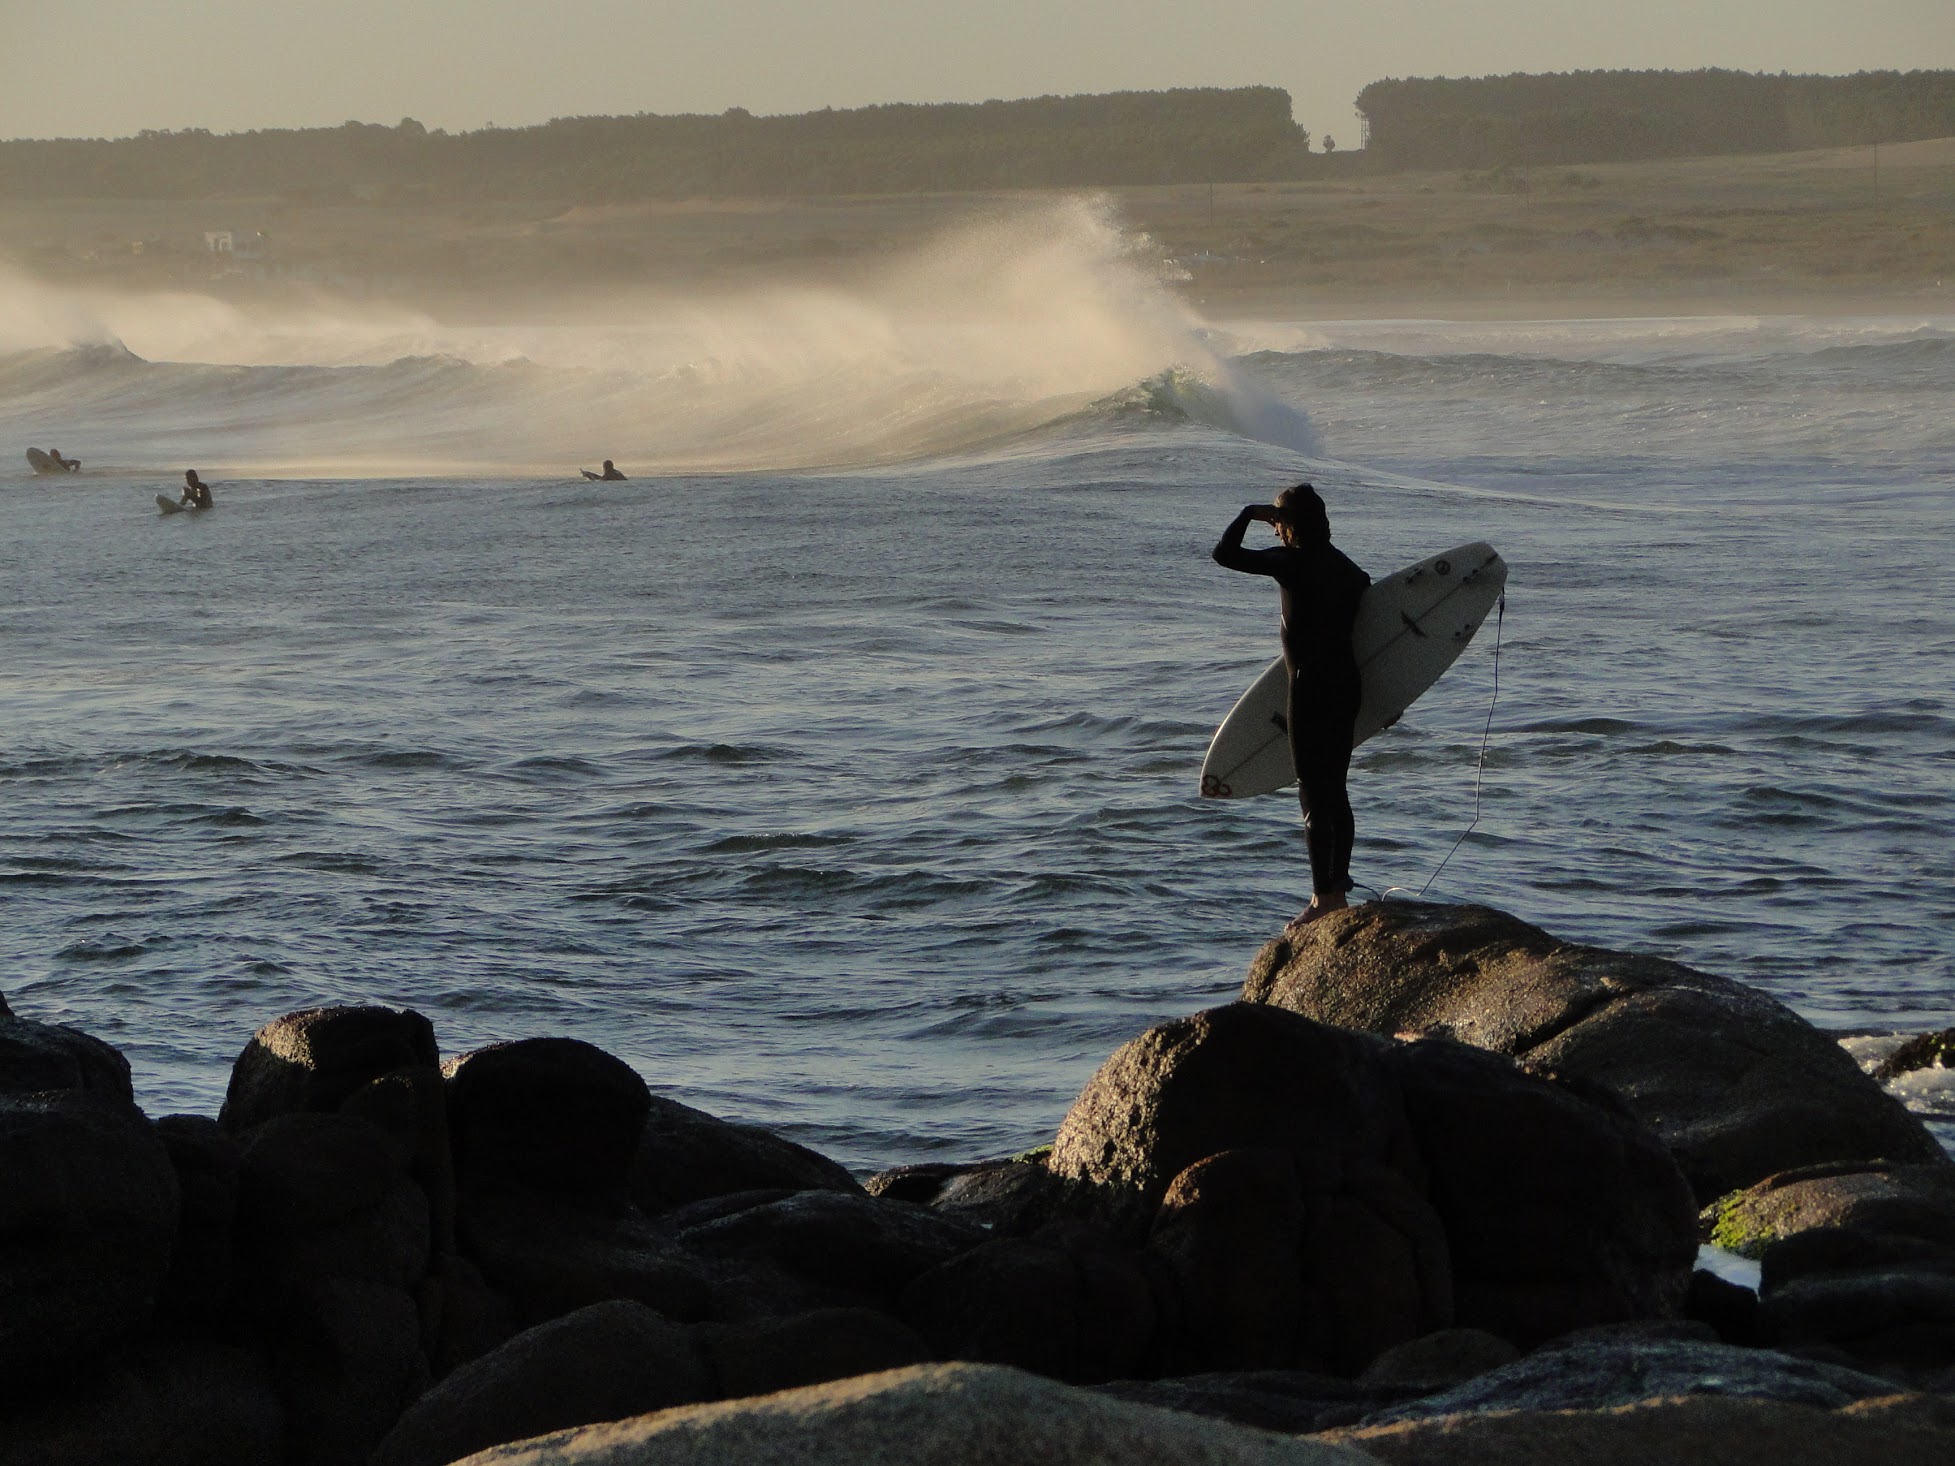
[108, 68]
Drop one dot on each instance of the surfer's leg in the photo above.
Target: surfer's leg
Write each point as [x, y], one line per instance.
[1320, 746]
[1320, 792]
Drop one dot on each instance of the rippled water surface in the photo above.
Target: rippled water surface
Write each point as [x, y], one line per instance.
[863, 804]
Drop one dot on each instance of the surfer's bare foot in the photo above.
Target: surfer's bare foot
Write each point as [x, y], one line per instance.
[1330, 901]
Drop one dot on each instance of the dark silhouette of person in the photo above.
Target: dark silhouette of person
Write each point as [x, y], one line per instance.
[609, 475]
[196, 493]
[71, 465]
[1321, 587]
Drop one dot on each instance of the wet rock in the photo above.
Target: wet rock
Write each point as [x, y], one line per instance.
[920, 1183]
[1737, 1085]
[88, 1218]
[40, 1056]
[765, 1355]
[1012, 1196]
[1596, 1374]
[1897, 1431]
[546, 1114]
[686, 1155]
[609, 1361]
[1923, 1051]
[1894, 1200]
[932, 1415]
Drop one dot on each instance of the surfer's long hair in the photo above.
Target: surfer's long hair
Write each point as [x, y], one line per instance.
[1301, 518]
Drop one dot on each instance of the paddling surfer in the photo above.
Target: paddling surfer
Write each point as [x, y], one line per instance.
[1320, 587]
[610, 474]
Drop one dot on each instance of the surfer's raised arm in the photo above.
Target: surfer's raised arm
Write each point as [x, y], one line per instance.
[1228, 550]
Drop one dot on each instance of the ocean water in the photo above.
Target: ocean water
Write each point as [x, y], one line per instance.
[838, 770]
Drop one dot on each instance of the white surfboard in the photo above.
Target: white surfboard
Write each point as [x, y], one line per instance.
[1411, 626]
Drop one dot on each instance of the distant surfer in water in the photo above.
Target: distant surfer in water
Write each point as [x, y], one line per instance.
[610, 473]
[66, 465]
[1320, 587]
[196, 493]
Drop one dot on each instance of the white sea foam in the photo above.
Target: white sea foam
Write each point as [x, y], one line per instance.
[1009, 322]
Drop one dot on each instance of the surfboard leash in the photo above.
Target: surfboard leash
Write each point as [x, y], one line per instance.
[1480, 769]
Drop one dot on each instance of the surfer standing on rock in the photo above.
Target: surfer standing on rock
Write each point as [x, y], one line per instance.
[1320, 587]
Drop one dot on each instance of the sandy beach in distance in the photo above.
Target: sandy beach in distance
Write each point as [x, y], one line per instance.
[1849, 231]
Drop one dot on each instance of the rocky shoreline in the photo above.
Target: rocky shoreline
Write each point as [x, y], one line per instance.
[1433, 1190]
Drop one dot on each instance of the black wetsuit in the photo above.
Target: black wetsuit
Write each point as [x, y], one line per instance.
[1321, 587]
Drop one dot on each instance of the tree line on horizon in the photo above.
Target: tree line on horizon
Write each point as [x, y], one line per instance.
[1189, 135]
[1623, 116]
[1183, 136]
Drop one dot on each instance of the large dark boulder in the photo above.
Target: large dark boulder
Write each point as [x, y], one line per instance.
[1272, 1267]
[821, 1249]
[609, 1361]
[314, 1060]
[1897, 1322]
[549, 1257]
[377, 1064]
[1315, 1196]
[546, 1114]
[171, 1402]
[37, 1056]
[88, 1219]
[1560, 1210]
[346, 1359]
[327, 1196]
[1068, 1303]
[686, 1155]
[206, 1160]
[1230, 1078]
[1736, 1084]
[764, 1355]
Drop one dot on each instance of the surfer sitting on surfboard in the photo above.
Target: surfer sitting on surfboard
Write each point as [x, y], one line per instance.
[609, 475]
[196, 493]
[1320, 587]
